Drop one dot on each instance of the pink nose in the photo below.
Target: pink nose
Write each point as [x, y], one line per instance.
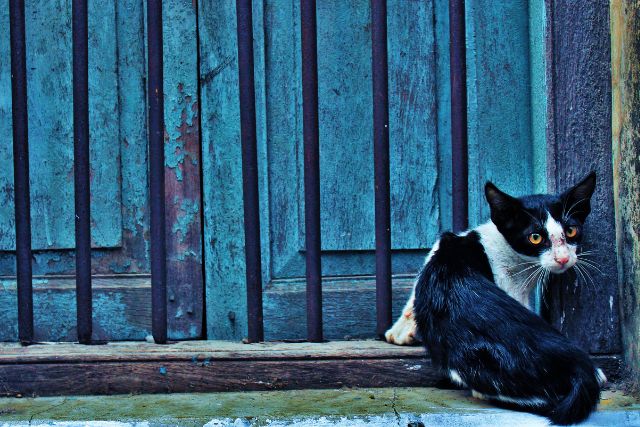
[563, 260]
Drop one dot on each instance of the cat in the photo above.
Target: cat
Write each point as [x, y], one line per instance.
[485, 336]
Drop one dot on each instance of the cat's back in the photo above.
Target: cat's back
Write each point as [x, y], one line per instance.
[493, 344]
[460, 254]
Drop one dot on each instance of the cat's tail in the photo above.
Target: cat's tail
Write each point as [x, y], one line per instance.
[583, 398]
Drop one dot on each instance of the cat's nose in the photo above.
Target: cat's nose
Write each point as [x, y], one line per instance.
[562, 260]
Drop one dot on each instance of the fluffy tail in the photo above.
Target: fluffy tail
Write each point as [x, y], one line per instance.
[579, 403]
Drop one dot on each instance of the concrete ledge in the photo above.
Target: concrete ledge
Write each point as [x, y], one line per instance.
[343, 407]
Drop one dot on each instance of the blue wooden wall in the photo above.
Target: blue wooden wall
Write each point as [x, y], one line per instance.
[502, 147]
[205, 226]
[119, 192]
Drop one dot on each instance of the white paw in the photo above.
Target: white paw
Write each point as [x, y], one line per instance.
[478, 395]
[403, 332]
[602, 378]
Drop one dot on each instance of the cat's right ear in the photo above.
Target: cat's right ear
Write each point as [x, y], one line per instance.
[504, 208]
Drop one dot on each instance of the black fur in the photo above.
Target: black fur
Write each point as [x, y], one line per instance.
[496, 345]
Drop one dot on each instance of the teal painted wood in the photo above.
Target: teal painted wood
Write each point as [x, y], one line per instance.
[121, 312]
[539, 100]
[443, 88]
[131, 256]
[222, 174]
[499, 97]
[414, 151]
[279, 113]
[182, 174]
[48, 41]
[413, 125]
[346, 161]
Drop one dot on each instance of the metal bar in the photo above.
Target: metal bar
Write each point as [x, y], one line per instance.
[311, 169]
[156, 172]
[249, 170]
[81, 169]
[21, 170]
[458, 73]
[381, 164]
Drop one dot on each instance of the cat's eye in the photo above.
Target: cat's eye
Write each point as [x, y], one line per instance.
[571, 232]
[535, 238]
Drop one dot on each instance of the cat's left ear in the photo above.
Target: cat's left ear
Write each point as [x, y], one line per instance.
[577, 200]
[505, 209]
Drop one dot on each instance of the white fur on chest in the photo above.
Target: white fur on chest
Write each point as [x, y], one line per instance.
[513, 272]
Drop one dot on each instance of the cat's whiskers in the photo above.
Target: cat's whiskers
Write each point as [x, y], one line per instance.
[522, 263]
[525, 285]
[542, 279]
[585, 275]
[524, 270]
[592, 264]
[589, 252]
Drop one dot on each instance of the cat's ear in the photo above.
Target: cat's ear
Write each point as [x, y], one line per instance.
[576, 201]
[504, 208]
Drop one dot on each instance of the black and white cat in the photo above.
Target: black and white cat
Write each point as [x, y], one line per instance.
[484, 335]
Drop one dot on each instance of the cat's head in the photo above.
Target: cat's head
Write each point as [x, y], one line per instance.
[545, 227]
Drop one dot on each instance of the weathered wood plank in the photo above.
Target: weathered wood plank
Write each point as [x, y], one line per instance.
[131, 257]
[203, 350]
[64, 369]
[581, 141]
[414, 186]
[222, 172]
[348, 307]
[121, 309]
[182, 175]
[195, 376]
[499, 101]
[443, 96]
[51, 127]
[625, 56]
[344, 85]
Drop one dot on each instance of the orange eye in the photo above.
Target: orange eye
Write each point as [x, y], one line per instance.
[571, 232]
[535, 238]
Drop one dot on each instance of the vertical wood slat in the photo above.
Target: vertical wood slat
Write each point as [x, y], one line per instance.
[309, 39]
[81, 170]
[21, 170]
[247, 91]
[381, 164]
[580, 70]
[459, 155]
[156, 172]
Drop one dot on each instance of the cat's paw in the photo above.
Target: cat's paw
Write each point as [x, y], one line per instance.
[602, 378]
[403, 332]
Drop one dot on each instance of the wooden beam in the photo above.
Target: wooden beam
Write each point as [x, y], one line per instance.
[193, 366]
[120, 305]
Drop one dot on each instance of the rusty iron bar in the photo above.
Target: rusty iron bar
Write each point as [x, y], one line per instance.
[381, 164]
[250, 190]
[459, 155]
[81, 170]
[156, 172]
[21, 170]
[311, 169]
